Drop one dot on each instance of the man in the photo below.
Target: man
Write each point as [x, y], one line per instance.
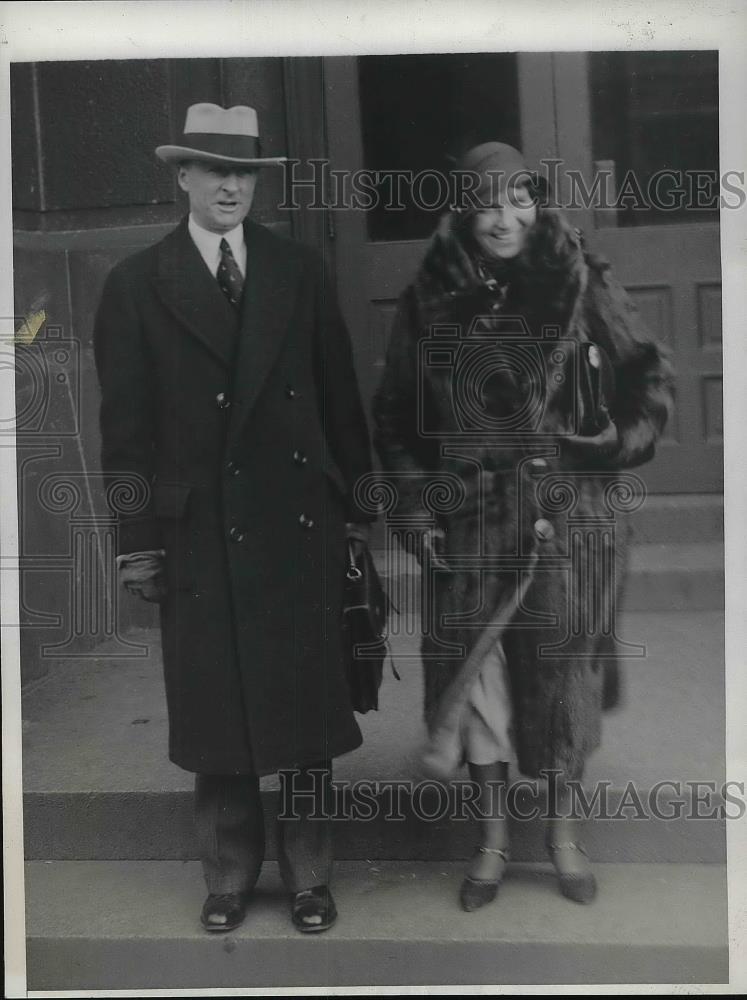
[228, 388]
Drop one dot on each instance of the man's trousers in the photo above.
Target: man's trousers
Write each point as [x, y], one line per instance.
[231, 829]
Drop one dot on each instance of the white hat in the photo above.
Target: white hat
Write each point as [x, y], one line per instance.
[214, 134]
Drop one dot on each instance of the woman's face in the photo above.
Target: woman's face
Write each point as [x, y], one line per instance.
[501, 231]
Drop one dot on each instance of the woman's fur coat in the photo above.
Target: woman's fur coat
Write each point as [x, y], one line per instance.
[488, 417]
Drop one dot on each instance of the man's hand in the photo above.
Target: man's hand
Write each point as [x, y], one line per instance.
[142, 575]
[358, 536]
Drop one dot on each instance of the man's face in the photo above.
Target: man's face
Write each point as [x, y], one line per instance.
[220, 194]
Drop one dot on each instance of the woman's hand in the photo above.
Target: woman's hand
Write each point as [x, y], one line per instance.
[427, 545]
[601, 445]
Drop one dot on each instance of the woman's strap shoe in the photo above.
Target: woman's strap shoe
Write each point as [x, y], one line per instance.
[580, 886]
[477, 892]
[224, 911]
[313, 910]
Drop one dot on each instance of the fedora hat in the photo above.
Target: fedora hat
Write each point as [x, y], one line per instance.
[219, 135]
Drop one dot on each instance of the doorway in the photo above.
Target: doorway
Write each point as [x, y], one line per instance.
[610, 112]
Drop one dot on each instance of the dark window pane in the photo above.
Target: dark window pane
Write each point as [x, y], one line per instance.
[417, 111]
[654, 111]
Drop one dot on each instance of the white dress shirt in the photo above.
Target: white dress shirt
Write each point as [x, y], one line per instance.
[209, 245]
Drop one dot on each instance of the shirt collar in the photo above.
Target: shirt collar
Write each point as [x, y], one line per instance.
[209, 243]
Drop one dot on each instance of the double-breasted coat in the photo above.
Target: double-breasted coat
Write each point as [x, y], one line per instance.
[247, 434]
[438, 416]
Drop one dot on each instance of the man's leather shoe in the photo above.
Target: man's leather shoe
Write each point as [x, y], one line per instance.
[224, 911]
[313, 910]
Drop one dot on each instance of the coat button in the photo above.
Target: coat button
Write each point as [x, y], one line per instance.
[223, 401]
[237, 534]
[544, 530]
[299, 458]
[290, 392]
[306, 522]
[233, 469]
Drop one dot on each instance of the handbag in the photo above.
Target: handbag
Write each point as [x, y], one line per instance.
[364, 616]
[596, 395]
[596, 388]
[595, 439]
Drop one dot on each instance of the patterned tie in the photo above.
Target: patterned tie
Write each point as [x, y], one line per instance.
[229, 276]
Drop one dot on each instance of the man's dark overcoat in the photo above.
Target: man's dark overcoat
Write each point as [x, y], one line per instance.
[248, 433]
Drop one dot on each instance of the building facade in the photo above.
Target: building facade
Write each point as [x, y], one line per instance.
[87, 190]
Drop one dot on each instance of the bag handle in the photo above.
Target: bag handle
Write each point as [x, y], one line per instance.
[353, 573]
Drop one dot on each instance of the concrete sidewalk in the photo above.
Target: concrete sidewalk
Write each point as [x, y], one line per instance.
[98, 783]
[99, 724]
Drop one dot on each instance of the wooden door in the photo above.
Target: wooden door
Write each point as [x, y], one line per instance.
[410, 112]
[631, 114]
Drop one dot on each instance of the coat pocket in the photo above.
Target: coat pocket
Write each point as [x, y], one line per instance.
[170, 500]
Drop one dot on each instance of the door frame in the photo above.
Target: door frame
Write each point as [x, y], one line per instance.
[303, 85]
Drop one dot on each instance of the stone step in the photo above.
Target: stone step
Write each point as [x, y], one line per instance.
[399, 823]
[675, 577]
[680, 517]
[662, 576]
[134, 926]
[663, 517]
[98, 785]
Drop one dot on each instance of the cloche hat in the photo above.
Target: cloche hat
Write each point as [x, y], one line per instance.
[494, 163]
[219, 135]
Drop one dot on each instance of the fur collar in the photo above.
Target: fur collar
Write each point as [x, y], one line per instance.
[546, 283]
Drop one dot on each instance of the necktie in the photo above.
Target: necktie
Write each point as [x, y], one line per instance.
[229, 276]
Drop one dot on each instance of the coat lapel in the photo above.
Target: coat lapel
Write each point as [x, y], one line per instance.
[191, 293]
[270, 289]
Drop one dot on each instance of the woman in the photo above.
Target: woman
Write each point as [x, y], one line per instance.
[531, 319]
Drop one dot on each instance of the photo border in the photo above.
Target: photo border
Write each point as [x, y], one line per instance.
[139, 30]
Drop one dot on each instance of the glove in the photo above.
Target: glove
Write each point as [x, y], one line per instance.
[427, 546]
[601, 445]
[142, 575]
